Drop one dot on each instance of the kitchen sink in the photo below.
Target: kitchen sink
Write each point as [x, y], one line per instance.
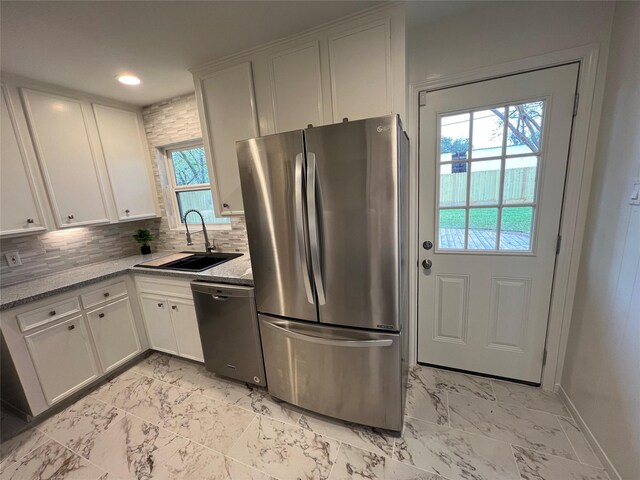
[190, 262]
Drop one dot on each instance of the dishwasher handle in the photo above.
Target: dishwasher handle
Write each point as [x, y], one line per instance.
[219, 298]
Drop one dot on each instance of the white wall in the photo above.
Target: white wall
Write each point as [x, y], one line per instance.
[451, 37]
[601, 373]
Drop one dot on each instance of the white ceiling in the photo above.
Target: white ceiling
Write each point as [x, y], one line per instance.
[84, 44]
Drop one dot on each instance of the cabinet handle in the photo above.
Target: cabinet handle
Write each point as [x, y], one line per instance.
[71, 327]
[225, 205]
[106, 294]
[161, 305]
[101, 315]
[127, 211]
[174, 307]
[70, 217]
[52, 313]
[29, 220]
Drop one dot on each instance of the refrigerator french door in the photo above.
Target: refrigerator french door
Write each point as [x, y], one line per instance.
[326, 215]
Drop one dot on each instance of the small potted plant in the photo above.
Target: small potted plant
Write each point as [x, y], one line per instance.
[143, 237]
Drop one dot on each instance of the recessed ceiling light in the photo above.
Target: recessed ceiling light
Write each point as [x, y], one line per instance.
[129, 79]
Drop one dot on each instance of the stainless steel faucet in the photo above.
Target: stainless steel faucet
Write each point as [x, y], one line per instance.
[211, 247]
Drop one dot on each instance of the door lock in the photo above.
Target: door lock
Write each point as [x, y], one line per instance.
[426, 264]
[427, 245]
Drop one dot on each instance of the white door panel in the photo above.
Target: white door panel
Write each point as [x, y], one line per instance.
[297, 88]
[157, 319]
[19, 208]
[185, 325]
[124, 147]
[492, 166]
[61, 138]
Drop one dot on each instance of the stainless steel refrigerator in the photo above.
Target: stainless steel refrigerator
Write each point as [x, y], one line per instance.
[326, 214]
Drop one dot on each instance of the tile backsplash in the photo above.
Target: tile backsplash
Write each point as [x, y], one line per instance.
[166, 123]
[51, 252]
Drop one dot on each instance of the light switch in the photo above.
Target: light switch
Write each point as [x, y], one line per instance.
[634, 197]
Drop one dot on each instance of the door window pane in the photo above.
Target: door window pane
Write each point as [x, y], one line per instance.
[485, 182]
[515, 228]
[454, 137]
[452, 228]
[487, 133]
[483, 228]
[520, 180]
[190, 166]
[202, 201]
[525, 127]
[453, 184]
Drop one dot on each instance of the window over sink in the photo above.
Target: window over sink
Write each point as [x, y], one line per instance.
[189, 185]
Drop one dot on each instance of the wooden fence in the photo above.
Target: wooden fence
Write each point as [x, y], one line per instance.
[519, 186]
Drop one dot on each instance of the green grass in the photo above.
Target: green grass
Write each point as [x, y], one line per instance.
[514, 219]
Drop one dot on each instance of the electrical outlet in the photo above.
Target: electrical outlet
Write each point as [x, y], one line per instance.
[13, 259]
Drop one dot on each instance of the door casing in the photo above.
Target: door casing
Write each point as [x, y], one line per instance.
[577, 188]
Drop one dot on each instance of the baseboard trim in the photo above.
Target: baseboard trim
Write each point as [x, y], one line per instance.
[593, 442]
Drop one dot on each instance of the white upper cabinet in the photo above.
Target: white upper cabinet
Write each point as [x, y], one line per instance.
[360, 72]
[20, 210]
[226, 103]
[297, 88]
[60, 135]
[124, 149]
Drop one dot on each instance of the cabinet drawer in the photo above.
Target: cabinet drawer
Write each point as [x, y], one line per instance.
[49, 313]
[104, 294]
[162, 286]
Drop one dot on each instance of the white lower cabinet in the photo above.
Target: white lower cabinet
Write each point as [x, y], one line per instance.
[185, 326]
[170, 316]
[157, 319]
[63, 358]
[114, 334]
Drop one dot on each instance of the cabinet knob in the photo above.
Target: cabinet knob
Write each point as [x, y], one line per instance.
[106, 294]
[225, 205]
[127, 211]
[30, 220]
[71, 327]
[52, 313]
[174, 307]
[101, 315]
[161, 305]
[70, 217]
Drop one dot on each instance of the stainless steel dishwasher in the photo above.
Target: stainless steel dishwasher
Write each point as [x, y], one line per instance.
[229, 331]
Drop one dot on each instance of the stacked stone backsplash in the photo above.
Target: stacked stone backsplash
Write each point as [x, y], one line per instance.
[51, 252]
[166, 123]
[173, 122]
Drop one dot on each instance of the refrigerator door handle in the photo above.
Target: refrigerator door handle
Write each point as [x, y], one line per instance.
[300, 233]
[387, 342]
[314, 231]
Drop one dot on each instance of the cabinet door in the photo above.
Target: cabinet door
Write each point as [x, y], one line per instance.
[157, 319]
[114, 334]
[360, 72]
[63, 358]
[227, 111]
[185, 325]
[61, 139]
[296, 88]
[19, 208]
[129, 171]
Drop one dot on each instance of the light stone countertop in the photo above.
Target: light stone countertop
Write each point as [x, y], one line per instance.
[236, 271]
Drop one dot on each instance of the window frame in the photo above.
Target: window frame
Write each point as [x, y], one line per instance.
[172, 189]
[500, 205]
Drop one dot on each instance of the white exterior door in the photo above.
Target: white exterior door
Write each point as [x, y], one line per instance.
[493, 157]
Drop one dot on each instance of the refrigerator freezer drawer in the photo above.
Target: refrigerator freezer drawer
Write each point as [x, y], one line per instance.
[344, 373]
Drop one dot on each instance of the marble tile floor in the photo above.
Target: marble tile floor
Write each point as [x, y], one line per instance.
[168, 418]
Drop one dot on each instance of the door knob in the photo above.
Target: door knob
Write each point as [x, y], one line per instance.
[426, 264]
[427, 244]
